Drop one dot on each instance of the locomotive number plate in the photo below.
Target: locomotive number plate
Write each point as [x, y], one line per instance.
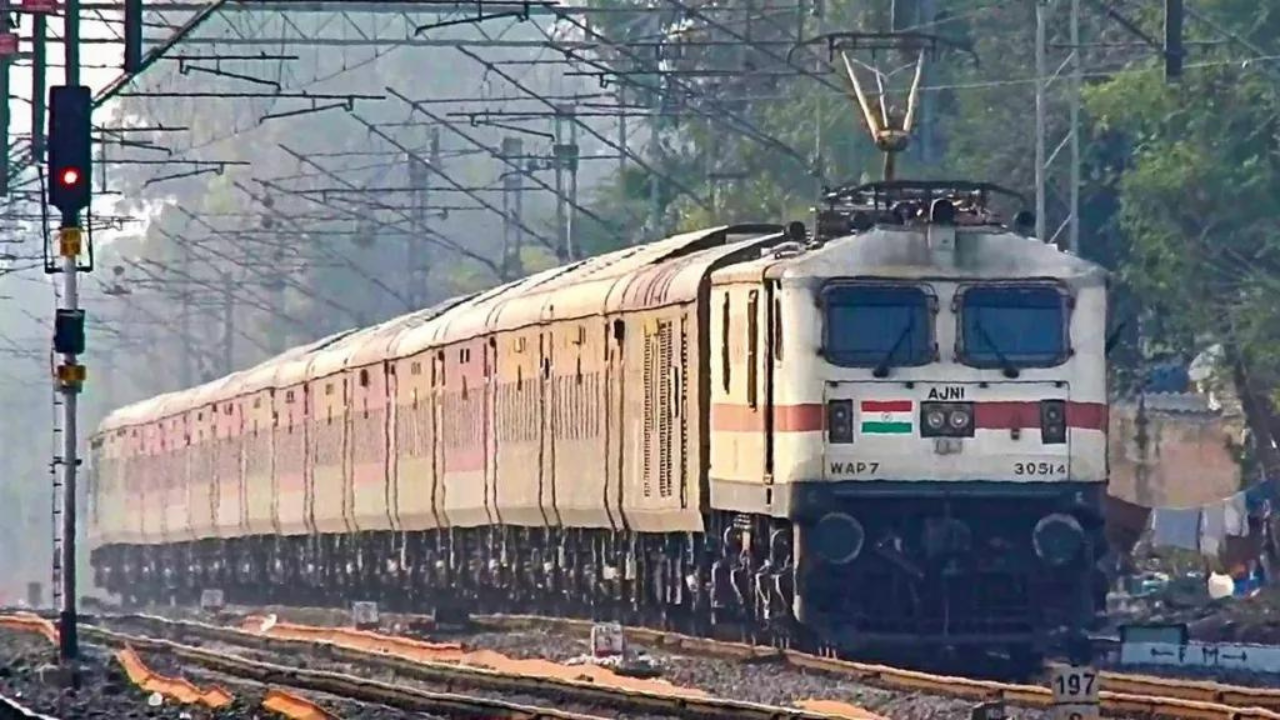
[1040, 468]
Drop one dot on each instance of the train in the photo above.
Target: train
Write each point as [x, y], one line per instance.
[886, 433]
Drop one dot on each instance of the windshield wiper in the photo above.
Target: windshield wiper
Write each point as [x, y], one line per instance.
[1009, 370]
[882, 370]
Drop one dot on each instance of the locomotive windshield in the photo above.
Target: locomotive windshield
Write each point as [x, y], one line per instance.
[1013, 326]
[878, 326]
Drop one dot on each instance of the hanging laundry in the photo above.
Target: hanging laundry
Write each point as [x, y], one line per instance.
[1261, 498]
[1213, 528]
[1236, 518]
[1172, 527]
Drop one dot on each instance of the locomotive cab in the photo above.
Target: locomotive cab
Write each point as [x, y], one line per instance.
[933, 389]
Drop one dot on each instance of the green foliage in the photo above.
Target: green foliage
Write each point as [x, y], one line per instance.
[1196, 197]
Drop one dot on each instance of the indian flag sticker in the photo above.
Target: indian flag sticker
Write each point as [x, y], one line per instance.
[888, 417]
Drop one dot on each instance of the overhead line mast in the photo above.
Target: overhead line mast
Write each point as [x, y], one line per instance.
[70, 171]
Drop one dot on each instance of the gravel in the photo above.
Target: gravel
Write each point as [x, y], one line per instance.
[104, 692]
[770, 683]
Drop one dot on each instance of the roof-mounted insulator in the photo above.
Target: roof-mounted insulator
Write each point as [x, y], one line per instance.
[942, 212]
[1024, 223]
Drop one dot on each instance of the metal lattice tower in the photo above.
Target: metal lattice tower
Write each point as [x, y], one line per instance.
[1059, 75]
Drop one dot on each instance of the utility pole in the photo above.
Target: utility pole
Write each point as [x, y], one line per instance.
[1059, 224]
[275, 290]
[512, 208]
[39, 64]
[5, 64]
[416, 248]
[228, 323]
[622, 131]
[184, 315]
[928, 136]
[656, 219]
[108, 377]
[817, 167]
[569, 155]
[1042, 82]
[562, 235]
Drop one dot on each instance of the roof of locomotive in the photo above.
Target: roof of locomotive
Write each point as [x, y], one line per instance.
[983, 251]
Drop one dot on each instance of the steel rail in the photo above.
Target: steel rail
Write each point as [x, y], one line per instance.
[1124, 694]
[1127, 695]
[338, 684]
[1128, 691]
[11, 709]
[679, 705]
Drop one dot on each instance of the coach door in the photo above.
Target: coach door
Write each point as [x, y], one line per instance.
[546, 474]
[769, 343]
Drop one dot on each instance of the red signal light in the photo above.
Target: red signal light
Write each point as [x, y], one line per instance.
[70, 176]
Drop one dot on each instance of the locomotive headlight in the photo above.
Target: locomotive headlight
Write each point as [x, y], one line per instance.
[838, 538]
[1058, 539]
[954, 419]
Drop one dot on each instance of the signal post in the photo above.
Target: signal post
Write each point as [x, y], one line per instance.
[69, 175]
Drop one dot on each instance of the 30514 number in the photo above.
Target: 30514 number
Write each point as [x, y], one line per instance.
[1039, 468]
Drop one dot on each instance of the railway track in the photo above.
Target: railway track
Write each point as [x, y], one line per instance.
[655, 704]
[1124, 695]
[1121, 686]
[635, 703]
[11, 709]
[342, 685]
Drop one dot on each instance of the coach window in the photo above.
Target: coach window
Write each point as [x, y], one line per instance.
[753, 342]
[1013, 326]
[879, 326]
[724, 343]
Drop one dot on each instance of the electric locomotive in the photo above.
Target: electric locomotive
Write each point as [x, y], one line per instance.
[933, 397]
[887, 435]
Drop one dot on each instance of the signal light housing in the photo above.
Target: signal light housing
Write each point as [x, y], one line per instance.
[70, 147]
[1053, 422]
[68, 332]
[840, 422]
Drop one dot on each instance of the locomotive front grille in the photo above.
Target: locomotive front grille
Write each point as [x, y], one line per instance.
[932, 568]
[990, 603]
